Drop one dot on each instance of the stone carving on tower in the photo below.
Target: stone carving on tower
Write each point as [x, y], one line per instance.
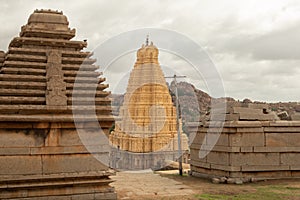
[56, 87]
[146, 131]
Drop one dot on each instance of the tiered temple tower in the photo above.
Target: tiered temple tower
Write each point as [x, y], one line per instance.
[145, 134]
[49, 92]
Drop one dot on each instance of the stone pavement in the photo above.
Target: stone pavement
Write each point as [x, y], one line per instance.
[143, 184]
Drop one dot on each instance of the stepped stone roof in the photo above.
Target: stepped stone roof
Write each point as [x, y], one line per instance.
[45, 76]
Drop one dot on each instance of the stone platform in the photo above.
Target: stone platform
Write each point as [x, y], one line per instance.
[248, 149]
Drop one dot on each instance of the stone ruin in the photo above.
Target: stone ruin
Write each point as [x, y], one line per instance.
[254, 144]
[42, 155]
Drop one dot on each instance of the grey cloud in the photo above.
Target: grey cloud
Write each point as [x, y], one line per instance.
[253, 64]
[275, 45]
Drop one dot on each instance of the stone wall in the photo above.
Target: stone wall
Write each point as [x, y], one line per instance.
[49, 161]
[249, 150]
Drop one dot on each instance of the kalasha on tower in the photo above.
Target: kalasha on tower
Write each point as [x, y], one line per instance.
[145, 134]
[49, 92]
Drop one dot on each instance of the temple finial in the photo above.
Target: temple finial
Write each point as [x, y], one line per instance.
[147, 40]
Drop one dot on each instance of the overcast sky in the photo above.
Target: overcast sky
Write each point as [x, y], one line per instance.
[255, 45]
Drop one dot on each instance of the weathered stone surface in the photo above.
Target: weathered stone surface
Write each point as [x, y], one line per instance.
[225, 167]
[70, 163]
[230, 180]
[14, 151]
[222, 139]
[253, 168]
[59, 150]
[199, 138]
[288, 129]
[203, 172]
[247, 139]
[295, 117]
[241, 159]
[283, 139]
[238, 182]
[247, 149]
[215, 180]
[218, 158]
[56, 87]
[268, 148]
[21, 138]
[200, 164]
[41, 153]
[277, 149]
[216, 148]
[290, 159]
[243, 110]
[20, 165]
[259, 150]
[195, 154]
[243, 124]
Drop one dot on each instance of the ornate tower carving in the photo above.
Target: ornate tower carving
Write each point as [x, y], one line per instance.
[147, 119]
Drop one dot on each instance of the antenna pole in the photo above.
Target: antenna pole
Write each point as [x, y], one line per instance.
[177, 123]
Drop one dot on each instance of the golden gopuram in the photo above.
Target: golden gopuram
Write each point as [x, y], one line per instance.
[42, 155]
[145, 134]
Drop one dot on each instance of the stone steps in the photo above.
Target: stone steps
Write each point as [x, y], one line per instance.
[39, 65]
[42, 86]
[22, 100]
[55, 118]
[55, 183]
[41, 100]
[86, 86]
[48, 33]
[24, 64]
[64, 187]
[23, 71]
[82, 67]
[80, 61]
[25, 78]
[73, 73]
[81, 80]
[26, 58]
[42, 72]
[86, 94]
[21, 92]
[43, 59]
[44, 42]
[43, 109]
[23, 85]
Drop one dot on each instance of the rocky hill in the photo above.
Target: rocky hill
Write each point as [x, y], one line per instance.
[194, 102]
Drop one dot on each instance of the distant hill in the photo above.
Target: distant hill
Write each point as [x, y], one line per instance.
[194, 102]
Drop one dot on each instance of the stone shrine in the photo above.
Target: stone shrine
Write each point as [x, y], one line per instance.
[42, 155]
[145, 134]
[253, 144]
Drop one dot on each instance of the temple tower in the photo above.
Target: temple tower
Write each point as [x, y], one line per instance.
[42, 155]
[146, 130]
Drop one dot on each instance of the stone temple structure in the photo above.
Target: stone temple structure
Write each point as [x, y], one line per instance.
[42, 155]
[253, 144]
[145, 134]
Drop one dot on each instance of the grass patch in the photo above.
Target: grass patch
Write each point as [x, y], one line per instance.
[277, 192]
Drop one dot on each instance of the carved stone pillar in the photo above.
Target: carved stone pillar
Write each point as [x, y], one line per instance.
[56, 87]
